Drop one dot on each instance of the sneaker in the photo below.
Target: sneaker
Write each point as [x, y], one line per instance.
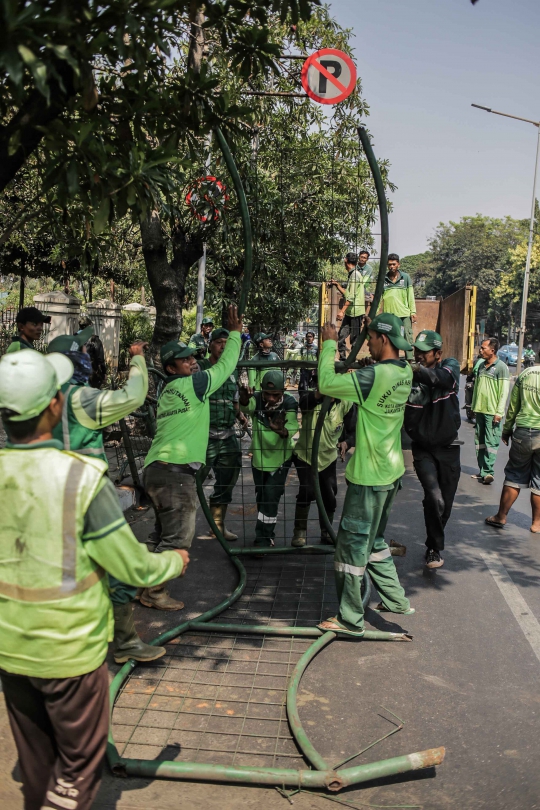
[488, 479]
[433, 559]
[478, 477]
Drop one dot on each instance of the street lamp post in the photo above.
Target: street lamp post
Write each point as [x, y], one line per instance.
[531, 231]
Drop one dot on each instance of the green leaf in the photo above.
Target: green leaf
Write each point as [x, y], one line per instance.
[101, 217]
[14, 142]
[37, 68]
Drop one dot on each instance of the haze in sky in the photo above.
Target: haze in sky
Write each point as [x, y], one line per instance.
[422, 63]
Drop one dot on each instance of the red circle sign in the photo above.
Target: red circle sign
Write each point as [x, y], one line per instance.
[328, 76]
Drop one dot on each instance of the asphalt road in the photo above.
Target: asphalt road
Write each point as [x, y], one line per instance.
[469, 681]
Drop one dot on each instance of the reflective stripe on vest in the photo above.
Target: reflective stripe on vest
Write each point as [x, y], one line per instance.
[69, 586]
[99, 451]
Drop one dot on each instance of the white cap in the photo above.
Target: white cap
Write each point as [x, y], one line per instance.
[29, 380]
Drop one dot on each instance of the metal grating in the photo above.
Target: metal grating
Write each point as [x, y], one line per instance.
[220, 698]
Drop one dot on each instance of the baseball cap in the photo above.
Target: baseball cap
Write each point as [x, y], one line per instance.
[218, 333]
[207, 322]
[273, 380]
[31, 314]
[427, 340]
[29, 380]
[175, 350]
[391, 326]
[261, 336]
[70, 343]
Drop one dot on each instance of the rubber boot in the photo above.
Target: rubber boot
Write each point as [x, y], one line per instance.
[127, 643]
[301, 515]
[158, 597]
[326, 539]
[218, 513]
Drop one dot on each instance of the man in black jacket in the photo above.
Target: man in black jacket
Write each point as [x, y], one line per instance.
[432, 420]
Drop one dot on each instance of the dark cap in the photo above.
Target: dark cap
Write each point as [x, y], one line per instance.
[428, 340]
[32, 314]
[391, 326]
[70, 343]
[207, 322]
[218, 333]
[273, 380]
[175, 350]
[261, 336]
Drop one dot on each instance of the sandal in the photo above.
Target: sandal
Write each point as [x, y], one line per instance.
[495, 523]
[339, 629]
[382, 609]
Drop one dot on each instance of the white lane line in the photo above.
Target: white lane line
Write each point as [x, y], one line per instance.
[517, 604]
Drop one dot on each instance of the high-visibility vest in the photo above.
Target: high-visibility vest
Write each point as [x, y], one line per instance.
[73, 435]
[50, 589]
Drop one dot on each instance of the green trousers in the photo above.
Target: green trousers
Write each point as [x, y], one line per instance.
[360, 545]
[407, 324]
[487, 438]
[120, 592]
[269, 488]
[224, 457]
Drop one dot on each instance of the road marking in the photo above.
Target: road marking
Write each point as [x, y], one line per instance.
[517, 604]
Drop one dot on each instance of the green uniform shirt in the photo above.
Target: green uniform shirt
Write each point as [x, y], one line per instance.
[255, 375]
[398, 296]
[524, 408]
[19, 343]
[87, 411]
[62, 631]
[269, 449]
[331, 431]
[222, 404]
[183, 413]
[198, 341]
[491, 388]
[381, 392]
[356, 293]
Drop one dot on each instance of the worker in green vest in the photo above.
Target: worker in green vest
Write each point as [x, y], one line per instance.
[491, 389]
[337, 436]
[29, 322]
[200, 339]
[398, 298]
[223, 455]
[275, 422]
[180, 445]
[85, 414]
[374, 472]
[61, 531]
[264, 354]
[355, 295]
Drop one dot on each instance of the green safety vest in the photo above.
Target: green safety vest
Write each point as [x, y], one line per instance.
[331, 431]
[50, 589]
[73, 435]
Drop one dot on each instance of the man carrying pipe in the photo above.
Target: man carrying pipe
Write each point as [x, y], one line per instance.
[223, 455]
[86, 413]
[374, 472]
[275, 421]
[336, 438]
[61, 530]
[179, 447]
[432, 421]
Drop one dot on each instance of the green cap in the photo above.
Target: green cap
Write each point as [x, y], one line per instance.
[391, 326]
[207, 322]
[428, 340]
[175, 350]
[273, 380]
[29, 380]
[70, 343]
[218, 333]
[261, 336]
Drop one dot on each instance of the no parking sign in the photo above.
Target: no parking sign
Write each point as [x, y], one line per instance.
[328, 76]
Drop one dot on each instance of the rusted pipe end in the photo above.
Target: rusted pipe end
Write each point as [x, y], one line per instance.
[334, 782]
[427, 759]
[119, 769]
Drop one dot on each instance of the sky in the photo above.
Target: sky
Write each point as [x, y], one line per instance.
[422, 63]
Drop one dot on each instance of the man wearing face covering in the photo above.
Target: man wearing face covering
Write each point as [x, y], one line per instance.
[86, 412]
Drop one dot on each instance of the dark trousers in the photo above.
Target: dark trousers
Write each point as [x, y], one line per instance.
[350, 327]
[224, 457]
[173, 493]
[60, 727]
[327, 482]
[269, 488]
[438, 470]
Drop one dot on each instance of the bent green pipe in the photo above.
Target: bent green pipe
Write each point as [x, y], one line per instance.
[279, 777]
[246, 221]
